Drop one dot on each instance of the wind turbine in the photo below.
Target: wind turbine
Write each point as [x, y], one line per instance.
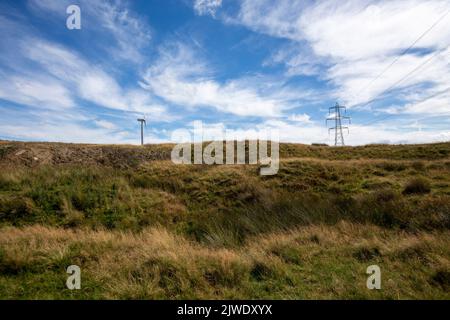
[143, 122]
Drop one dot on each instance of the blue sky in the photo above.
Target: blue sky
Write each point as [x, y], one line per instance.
[241, 65]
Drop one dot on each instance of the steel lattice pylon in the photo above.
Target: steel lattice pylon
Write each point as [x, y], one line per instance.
[338, 118]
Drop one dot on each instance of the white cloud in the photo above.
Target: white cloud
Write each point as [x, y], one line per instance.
[90, 82]
[63, 132]
[53, 85]
[102, 90]
[350, 30]
[297, 59]
[357, 30]
[105, 124]
[383, 133]
[105, 20]
[70, 125]
[41, 92]
[300, 118]
[131, 33]
[355, 41]
[181, 77]
[438, 105]
[46, 74]
[352, 78]
[207, 7]
[313, 133]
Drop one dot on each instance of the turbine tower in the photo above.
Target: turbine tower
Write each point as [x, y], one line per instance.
[143, 122]
[338, 118]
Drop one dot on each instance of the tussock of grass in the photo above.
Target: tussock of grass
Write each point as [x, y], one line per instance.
[417, 185]
[442, 278]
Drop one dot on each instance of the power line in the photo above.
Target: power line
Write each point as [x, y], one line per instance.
[379, 96]
[415, 104]
[338, 127]
[404, 52]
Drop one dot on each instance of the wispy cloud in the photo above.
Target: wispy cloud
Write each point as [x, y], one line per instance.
[182, 76]
[71, 72]
[314, 133]
[42, 92]
[204, 7]
[355, 41]
[54, 86]
[300, 118]
[106, 20]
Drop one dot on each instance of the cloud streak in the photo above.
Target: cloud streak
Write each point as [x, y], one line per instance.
[54, 86]
[352, 41]
[207, 7]
[106, 20]
[180, 76]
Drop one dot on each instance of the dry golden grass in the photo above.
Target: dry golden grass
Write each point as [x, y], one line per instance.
[310, 262]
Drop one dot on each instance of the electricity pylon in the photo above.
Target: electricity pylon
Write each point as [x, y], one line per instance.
[142, 121]
[338, 118]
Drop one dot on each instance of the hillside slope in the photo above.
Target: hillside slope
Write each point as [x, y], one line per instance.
[38, 153]
[140, 226]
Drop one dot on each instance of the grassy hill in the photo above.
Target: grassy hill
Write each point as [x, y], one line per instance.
[142, 227]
